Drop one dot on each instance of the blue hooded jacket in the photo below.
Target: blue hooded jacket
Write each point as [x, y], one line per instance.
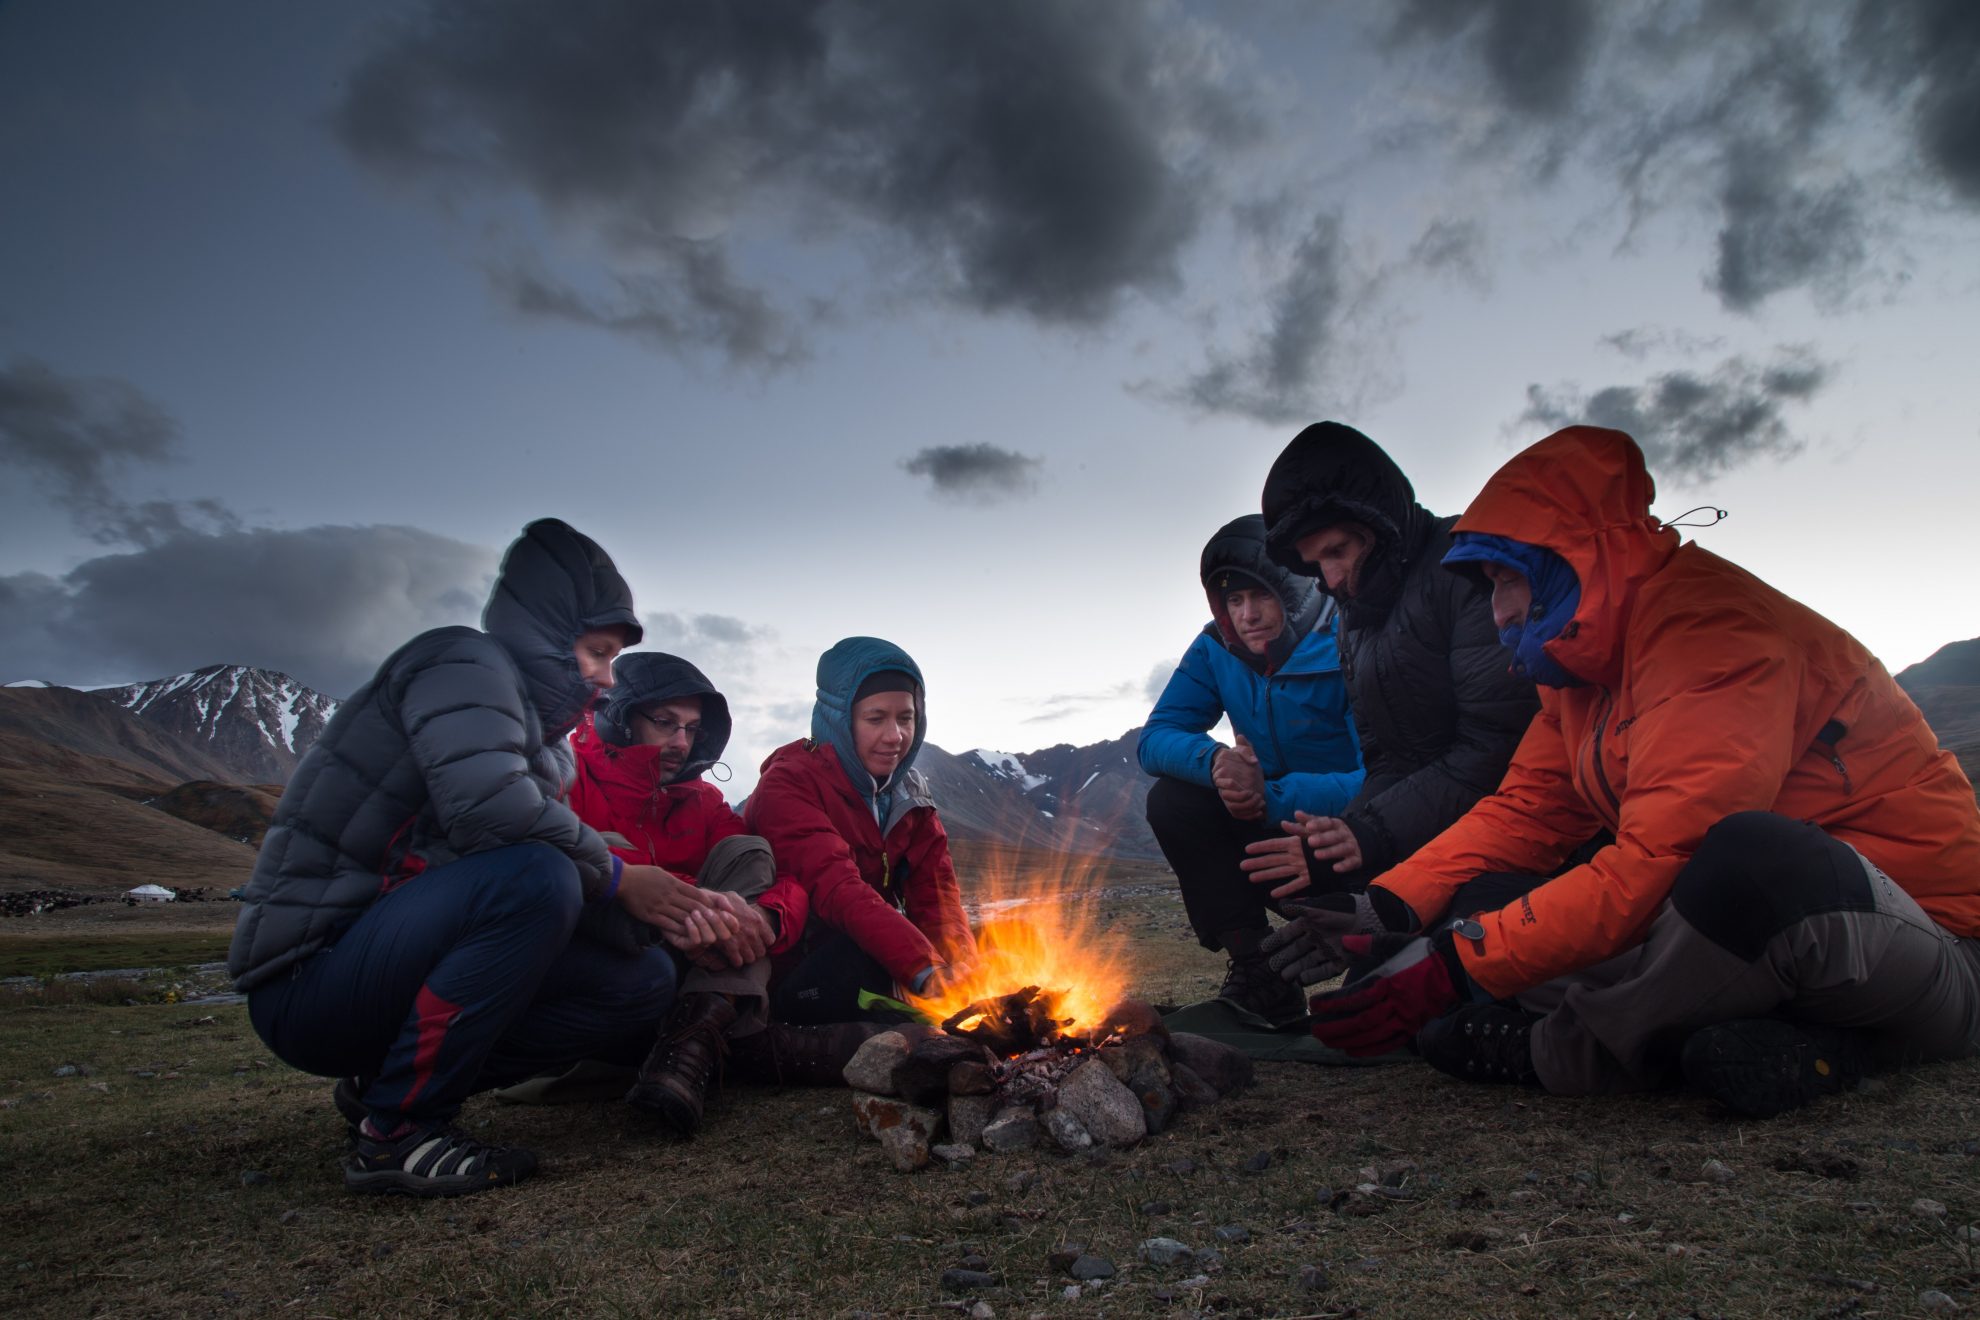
[1295, 713]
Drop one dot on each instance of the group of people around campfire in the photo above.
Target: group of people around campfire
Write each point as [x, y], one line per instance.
[1562, 800]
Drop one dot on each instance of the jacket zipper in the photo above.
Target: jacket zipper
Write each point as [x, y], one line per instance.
[1600, 775]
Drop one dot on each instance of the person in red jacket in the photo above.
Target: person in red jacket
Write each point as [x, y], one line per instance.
[852, 822]
[1793, 891]
[641, 754]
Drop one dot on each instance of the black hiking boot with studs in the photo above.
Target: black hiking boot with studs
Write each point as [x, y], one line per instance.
[1761, 1067]
[1251, 986]
[1481, 1043]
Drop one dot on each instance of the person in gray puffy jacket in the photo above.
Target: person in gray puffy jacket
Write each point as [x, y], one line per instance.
[409, 925]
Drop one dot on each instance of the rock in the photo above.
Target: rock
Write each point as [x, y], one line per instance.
[1013, 1129]
[1933, 1300]
[1226, 1069]
[1109, 1112]
[973, 1260]
[1159, 1104]
[971, 1077]
[1022, 1180]
[906, 1145]
[1258, 1163]
[1233, 1233]
[1181, 1168]
[1192, 1092]
[1209, 1258]
[1931, 1209]
[68, 1070]
[1071, 1292]
[875, 1114]
[964, 1281]
[1715, 1171]
[922, 1078]
[291, 1216]
[1153, 1208]
[1134, 1057]
[969, 1115]
[872, 1068]
[952, 1152]
[1086, 1267]
[1068, 1132]
[1166, 1251]
[1313, 1278]
[255, 1178]
[981, 1311]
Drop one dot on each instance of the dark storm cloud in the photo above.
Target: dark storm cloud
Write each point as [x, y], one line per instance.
[1694, 427]
[979, 473]
[1926, 54]
[1276, 379]
[1534, 53]
[1030, 157]
[75, 437]
[322, 604]
[1777, 236]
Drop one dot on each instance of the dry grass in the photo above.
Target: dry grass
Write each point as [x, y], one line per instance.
[125, 1195]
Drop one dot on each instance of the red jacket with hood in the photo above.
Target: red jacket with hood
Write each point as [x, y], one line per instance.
[1707, 692]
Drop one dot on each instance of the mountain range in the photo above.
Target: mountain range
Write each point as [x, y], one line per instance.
[174, 780]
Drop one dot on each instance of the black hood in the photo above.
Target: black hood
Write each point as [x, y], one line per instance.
[555, 585]
[646, 678]
[1239, 548]
[1331, 474]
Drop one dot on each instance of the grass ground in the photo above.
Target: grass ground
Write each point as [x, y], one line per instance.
[180, 1170]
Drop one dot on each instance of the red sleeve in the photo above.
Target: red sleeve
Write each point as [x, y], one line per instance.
[934, 896]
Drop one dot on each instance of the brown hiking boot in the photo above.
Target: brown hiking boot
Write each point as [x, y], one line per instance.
[1252, 987]
[786, 1055]
[677, 1076]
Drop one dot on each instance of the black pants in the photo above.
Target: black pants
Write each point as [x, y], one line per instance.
[825, 985]
[1204, 844]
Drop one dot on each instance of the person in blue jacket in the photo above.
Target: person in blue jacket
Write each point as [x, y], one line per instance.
[1225, 817]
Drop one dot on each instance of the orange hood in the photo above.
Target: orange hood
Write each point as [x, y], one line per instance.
[1583, 493]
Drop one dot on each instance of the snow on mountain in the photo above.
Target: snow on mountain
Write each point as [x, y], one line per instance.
[257, 721]
[1076, 799]
[31, 683]
[1008, 767]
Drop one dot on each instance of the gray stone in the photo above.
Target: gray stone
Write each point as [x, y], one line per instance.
[1192, 1092]
[1934, 1300]
[905, 1131]
[1013, 1129]
[1154, 1208]
[872, 1068]
[1226, 1069]
[68, 1070]
[982, 1311]
[291, 1216]
[971, 1077]
[969, 1115]
[1166, 1251]
[922, 1078]
[963, 1281]
[1158, 1102]
[1233, 1233]
[1067, 1131]
[1931, 1209]
[1109, 1112]
[1716, 1171]
[952, 1152]
[1134, 1056]
[1086, 1267]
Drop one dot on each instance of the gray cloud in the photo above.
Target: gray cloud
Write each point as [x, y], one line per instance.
[1694, 427]
[1059, 705]
[322, 604]
[75, 436]
[1641, 342]
[1777, 236]
[1534, 53]
[977, 474]
[1925, 54]
[1158, 680]
[1277, 378]
[1026, 157]
[667, 631]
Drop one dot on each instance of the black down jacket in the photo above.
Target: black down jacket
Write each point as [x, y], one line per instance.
[453, 748]
[1437, 706]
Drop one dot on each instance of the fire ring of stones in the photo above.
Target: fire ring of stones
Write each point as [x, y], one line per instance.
[922, 1091]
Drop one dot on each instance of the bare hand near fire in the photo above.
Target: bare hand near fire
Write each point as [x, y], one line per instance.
[1280, 862]
[682, 912]
[753, 936]
[1329, 838]
[1239, 782]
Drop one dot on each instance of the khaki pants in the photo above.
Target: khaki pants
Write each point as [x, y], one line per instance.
[740, 864]
[1771, 918]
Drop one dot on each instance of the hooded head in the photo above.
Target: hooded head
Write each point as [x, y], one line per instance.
[842, 673]
[554, 586]
[1235, 559]
[645, 679]
[1333, 474]
[1582, 495]
[1553, 594]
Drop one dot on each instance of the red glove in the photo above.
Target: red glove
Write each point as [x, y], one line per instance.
[1395, 984]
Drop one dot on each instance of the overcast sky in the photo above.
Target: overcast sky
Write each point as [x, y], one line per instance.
[962, 324]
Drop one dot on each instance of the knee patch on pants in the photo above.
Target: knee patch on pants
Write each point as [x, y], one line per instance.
[1757, 873]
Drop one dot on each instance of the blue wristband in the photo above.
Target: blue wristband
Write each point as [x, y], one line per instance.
[618, 870]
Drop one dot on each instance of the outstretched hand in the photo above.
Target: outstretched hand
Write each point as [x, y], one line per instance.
[1329, 839]
[1278, 862]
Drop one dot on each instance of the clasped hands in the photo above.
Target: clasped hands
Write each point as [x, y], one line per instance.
[712, 928]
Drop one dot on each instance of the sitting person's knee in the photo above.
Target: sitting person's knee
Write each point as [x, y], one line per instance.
[1756, 873]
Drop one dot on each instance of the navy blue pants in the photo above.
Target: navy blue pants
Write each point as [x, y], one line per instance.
[464, 978]
[825, 985]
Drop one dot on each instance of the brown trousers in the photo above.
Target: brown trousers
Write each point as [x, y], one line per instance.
[740, 864]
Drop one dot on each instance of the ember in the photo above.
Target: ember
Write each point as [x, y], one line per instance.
[1011, 1024]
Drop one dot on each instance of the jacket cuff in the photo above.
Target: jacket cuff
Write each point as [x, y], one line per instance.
[1378, 852]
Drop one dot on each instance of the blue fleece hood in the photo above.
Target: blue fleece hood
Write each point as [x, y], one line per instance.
[841, 670]
[1556, 596]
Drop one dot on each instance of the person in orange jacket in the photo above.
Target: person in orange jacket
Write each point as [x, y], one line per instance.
[1793, 894]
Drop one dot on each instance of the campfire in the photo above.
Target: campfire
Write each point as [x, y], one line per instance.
[1035, 1043]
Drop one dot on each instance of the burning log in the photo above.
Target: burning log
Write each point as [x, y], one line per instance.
[1011, 1024]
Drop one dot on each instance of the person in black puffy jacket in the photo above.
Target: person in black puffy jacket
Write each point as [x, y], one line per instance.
[1435, 702]
[409, 925]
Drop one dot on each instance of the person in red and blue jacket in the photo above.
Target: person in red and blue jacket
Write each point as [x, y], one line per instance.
[852, 822]
[1267, 659]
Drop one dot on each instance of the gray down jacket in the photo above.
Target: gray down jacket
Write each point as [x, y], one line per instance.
[454, 747]
[1435, 701]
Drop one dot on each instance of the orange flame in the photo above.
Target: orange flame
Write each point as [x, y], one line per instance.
[1052, 939]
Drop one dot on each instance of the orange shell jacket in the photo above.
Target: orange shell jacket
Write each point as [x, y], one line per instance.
[1707, 693]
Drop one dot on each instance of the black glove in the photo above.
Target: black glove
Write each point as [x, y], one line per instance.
[1307, 949]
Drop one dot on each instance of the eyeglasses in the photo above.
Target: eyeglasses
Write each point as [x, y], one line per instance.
[667, 728]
